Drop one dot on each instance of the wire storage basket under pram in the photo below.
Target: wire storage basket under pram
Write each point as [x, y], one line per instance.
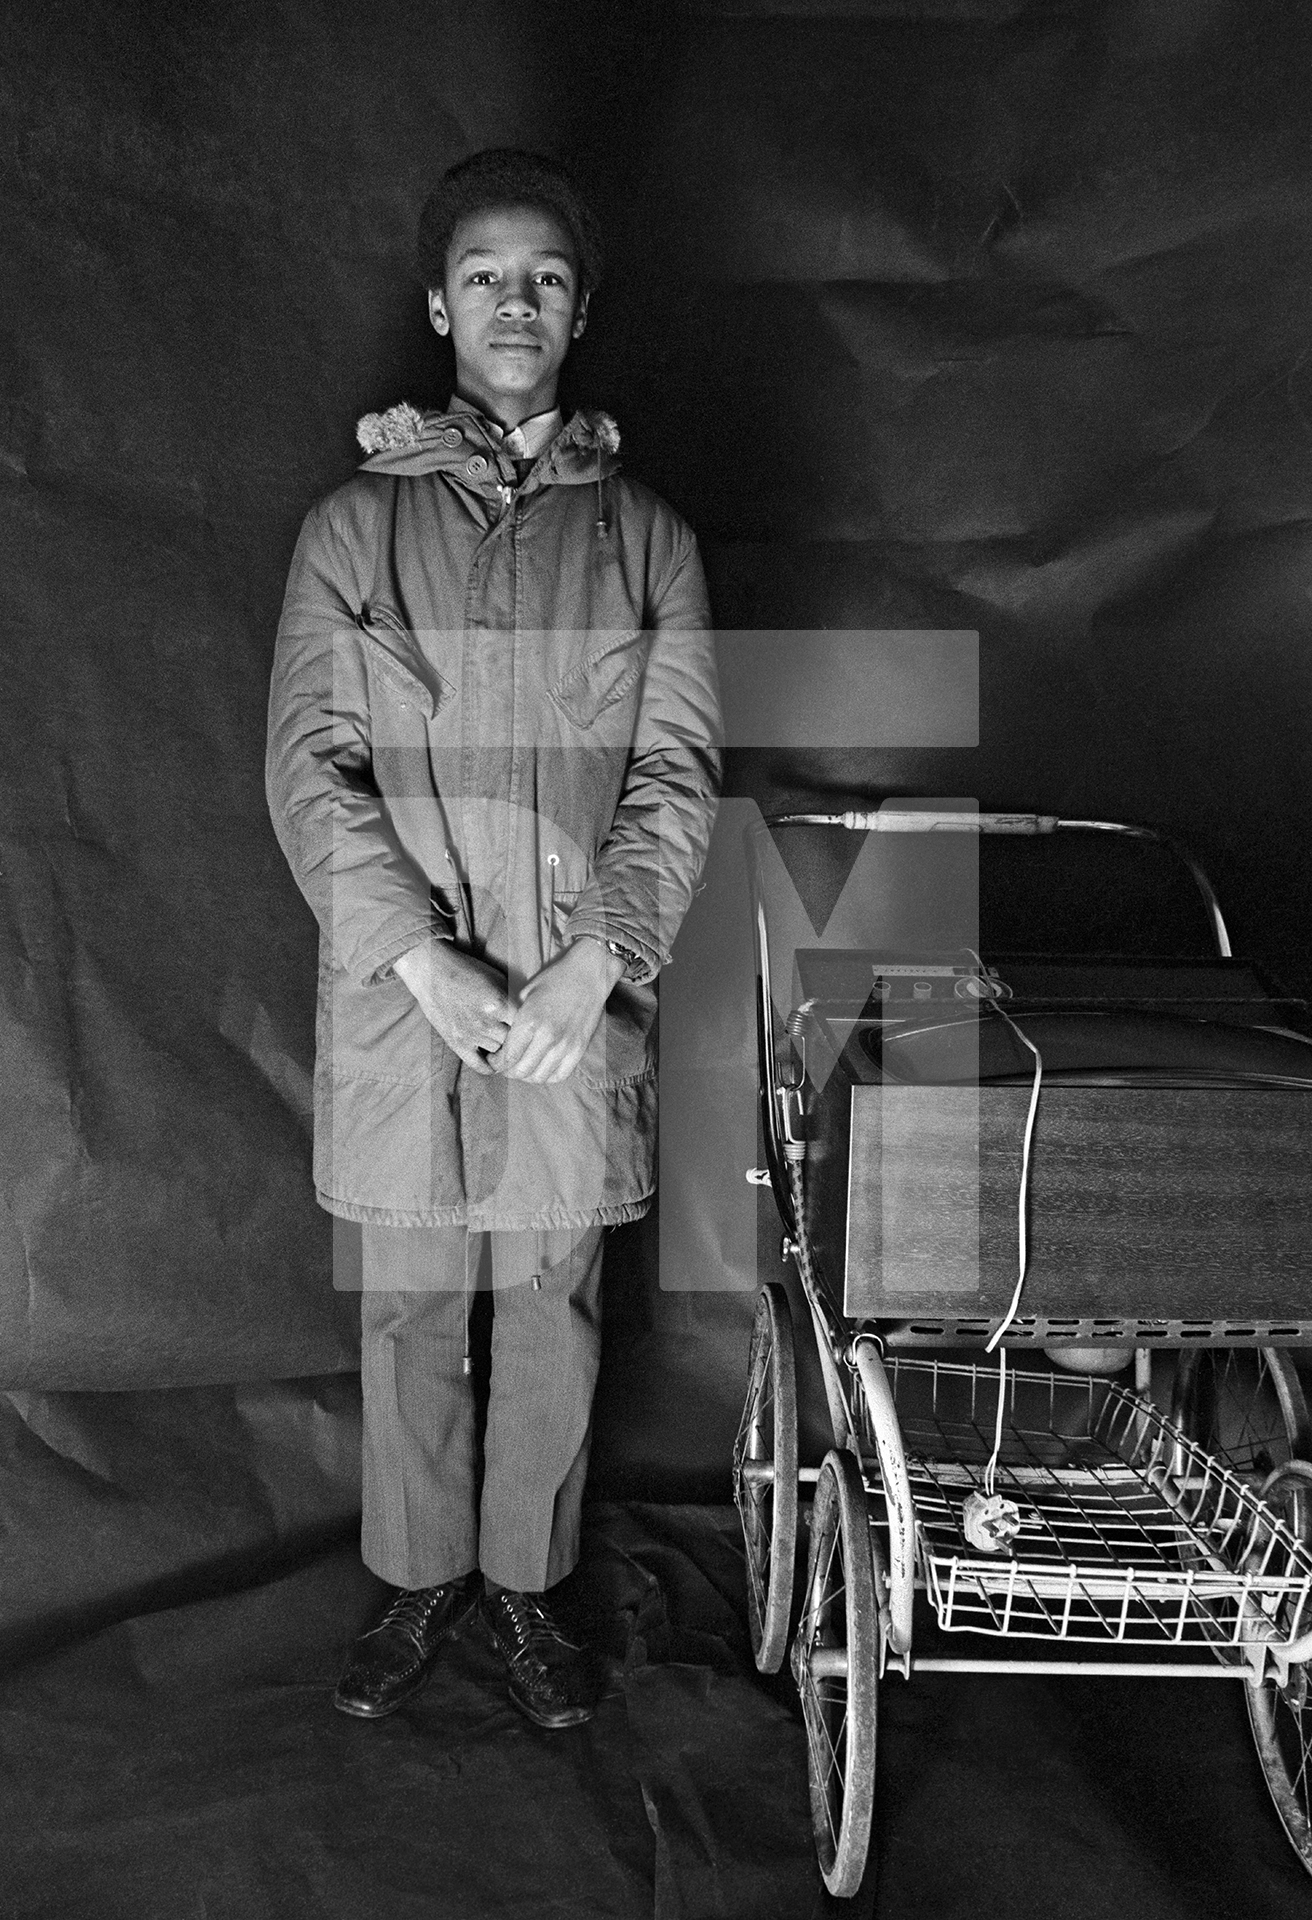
[1053, 1152]
[1129, 1534]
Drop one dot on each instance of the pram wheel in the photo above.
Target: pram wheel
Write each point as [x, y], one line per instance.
[765, 1477]
[1246, 1406]
[836, 1666]
[1281, 1716]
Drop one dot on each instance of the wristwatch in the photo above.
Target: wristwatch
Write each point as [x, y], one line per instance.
[633, 962]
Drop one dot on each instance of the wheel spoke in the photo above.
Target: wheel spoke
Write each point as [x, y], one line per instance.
[767, 1498]
[757, 1580]
[814, 1727]
[816, 1600]
[1282, 1728]
[839, 1621]
[827, 1754]
[1248, 1426]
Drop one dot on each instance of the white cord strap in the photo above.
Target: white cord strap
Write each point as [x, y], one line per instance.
[1022, 1242]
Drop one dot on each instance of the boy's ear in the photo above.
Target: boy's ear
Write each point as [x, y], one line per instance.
[580, 316]
[437, 312]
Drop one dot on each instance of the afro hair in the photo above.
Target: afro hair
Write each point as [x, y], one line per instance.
[505, 177]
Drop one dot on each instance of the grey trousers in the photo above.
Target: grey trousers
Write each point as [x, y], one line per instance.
[423, 1521]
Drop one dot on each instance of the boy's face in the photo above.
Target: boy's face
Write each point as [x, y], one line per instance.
[512, 307]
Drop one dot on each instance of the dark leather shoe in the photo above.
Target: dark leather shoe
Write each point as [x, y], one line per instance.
[393, 1660]
[550, 1680]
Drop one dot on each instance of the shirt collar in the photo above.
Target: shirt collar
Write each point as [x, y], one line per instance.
[524, 442]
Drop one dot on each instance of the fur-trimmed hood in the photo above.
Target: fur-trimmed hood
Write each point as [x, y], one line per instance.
[404, 440]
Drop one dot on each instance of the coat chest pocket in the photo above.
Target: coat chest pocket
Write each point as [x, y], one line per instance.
[412, 682]
[611, 670]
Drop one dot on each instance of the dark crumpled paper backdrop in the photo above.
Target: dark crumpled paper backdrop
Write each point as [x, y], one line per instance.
[963, 314]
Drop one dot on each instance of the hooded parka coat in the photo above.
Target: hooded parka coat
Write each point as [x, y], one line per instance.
[493, 718]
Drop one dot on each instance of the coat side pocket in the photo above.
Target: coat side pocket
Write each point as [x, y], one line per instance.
[609, 672]
[385, 637]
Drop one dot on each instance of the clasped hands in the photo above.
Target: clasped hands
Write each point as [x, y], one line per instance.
[543, 1038]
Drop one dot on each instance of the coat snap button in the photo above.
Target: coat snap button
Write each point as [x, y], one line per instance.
[452, 437]
[476, 464]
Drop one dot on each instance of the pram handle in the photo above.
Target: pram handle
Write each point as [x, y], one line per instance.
[943, 820]
[922, 820]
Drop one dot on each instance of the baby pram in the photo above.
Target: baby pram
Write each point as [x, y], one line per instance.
[1095, 1156]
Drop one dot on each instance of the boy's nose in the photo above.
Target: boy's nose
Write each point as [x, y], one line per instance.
[520, 300]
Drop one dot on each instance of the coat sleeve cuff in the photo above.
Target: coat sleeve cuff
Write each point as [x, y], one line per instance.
[379, 963]
[647, 960]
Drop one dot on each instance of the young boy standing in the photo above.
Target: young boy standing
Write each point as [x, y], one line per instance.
[492, 766]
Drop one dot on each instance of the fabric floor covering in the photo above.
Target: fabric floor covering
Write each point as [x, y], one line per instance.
[186, 1762]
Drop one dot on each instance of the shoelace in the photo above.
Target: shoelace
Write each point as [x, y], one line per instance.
[529, 1621]
[411, 1611]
